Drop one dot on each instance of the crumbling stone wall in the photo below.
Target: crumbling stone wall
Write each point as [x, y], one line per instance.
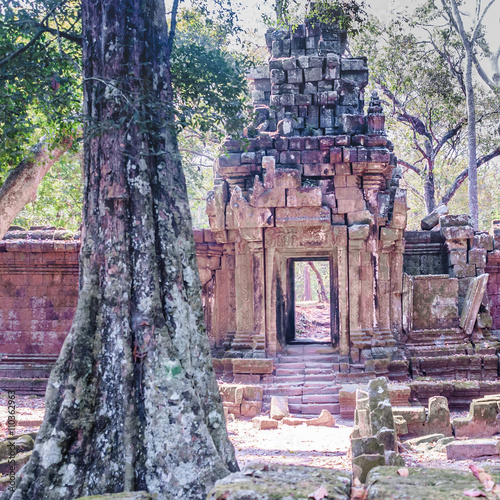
[38, 291]
[314, 178]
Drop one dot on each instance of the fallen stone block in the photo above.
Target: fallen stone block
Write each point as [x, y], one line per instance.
[251, 408]
[279, 407]
[483, 418]
[431, 438]
[325, 419]
[276, 482]
[263, 423]
[400, 425]
[363, 464]
[470, 449]
[366, 446]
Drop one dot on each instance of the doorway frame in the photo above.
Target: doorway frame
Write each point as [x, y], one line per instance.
[290, 332]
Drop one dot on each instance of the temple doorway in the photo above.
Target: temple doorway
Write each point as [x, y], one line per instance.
[310, 314]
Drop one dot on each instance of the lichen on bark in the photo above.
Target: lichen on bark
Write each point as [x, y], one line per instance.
[132, 403]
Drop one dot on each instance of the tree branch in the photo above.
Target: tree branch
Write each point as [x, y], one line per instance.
[22, 183]
[63, 34]
[465, 173]
[480, 71]
[173, 24]
[449, 135]
[24, 48]
[410, 166]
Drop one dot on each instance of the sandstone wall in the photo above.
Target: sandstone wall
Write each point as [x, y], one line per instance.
[38, 291]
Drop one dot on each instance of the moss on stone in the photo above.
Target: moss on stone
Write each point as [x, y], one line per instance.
[138, 495]
[276, 482]
[421, 484]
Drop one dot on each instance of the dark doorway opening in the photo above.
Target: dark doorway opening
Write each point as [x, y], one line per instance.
[310, 317]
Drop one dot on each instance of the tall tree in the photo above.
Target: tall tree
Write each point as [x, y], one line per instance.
[416, 61]
[469, 41]
[132, 403]
[40, 79]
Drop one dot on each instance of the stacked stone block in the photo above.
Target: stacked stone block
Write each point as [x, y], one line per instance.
[374, 439]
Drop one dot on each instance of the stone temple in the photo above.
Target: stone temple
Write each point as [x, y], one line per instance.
[313, 179]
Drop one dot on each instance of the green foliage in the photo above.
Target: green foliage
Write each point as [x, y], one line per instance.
[40, 95]
[211, 92]
[40, 88]
[59, 200]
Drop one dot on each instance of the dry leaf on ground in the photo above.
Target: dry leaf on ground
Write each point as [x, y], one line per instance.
[320, 493]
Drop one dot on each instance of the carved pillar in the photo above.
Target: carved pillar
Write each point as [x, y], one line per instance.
[244, 296]
[259, 306]
[397, 288]
[357, 319]
[224, 322]
[343, 288]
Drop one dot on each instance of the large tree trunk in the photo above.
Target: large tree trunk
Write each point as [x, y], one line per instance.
[132, 403]
[22, 183]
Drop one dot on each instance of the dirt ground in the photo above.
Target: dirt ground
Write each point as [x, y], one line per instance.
[325, 447]
[312, 321]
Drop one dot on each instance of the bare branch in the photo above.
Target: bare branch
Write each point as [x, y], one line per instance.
[410, 166]
[465, 173]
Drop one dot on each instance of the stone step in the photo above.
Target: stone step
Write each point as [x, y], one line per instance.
[320, 398]
[289, 379]
[282, 391]
[286, 371]
[319, 378]
[297, 366]
[326, 358]
[318, 365]
[315, 409]
[318, 371]
[321, 389]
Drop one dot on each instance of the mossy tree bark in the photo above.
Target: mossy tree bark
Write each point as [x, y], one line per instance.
[132, 403]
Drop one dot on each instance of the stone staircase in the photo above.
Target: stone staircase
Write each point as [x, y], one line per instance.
[305, 374]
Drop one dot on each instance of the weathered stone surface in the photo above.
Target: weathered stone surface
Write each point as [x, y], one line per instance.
[304, 197]
[279, 407]
[454, 220]
[438, 418]
[253, 366]
[411, 414]
[435, 302]
[305, 216]
[473, 301]
[366, 446]
[276, 482]
[380, 405]
[325, 419]
[394, 459]
[483, 419]
[430, 438]
[363, 464]
[421, 484]
[264, 423]
[472, 448]
[400, 425]
[432, 220]
[136, 495]
[262, 197]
